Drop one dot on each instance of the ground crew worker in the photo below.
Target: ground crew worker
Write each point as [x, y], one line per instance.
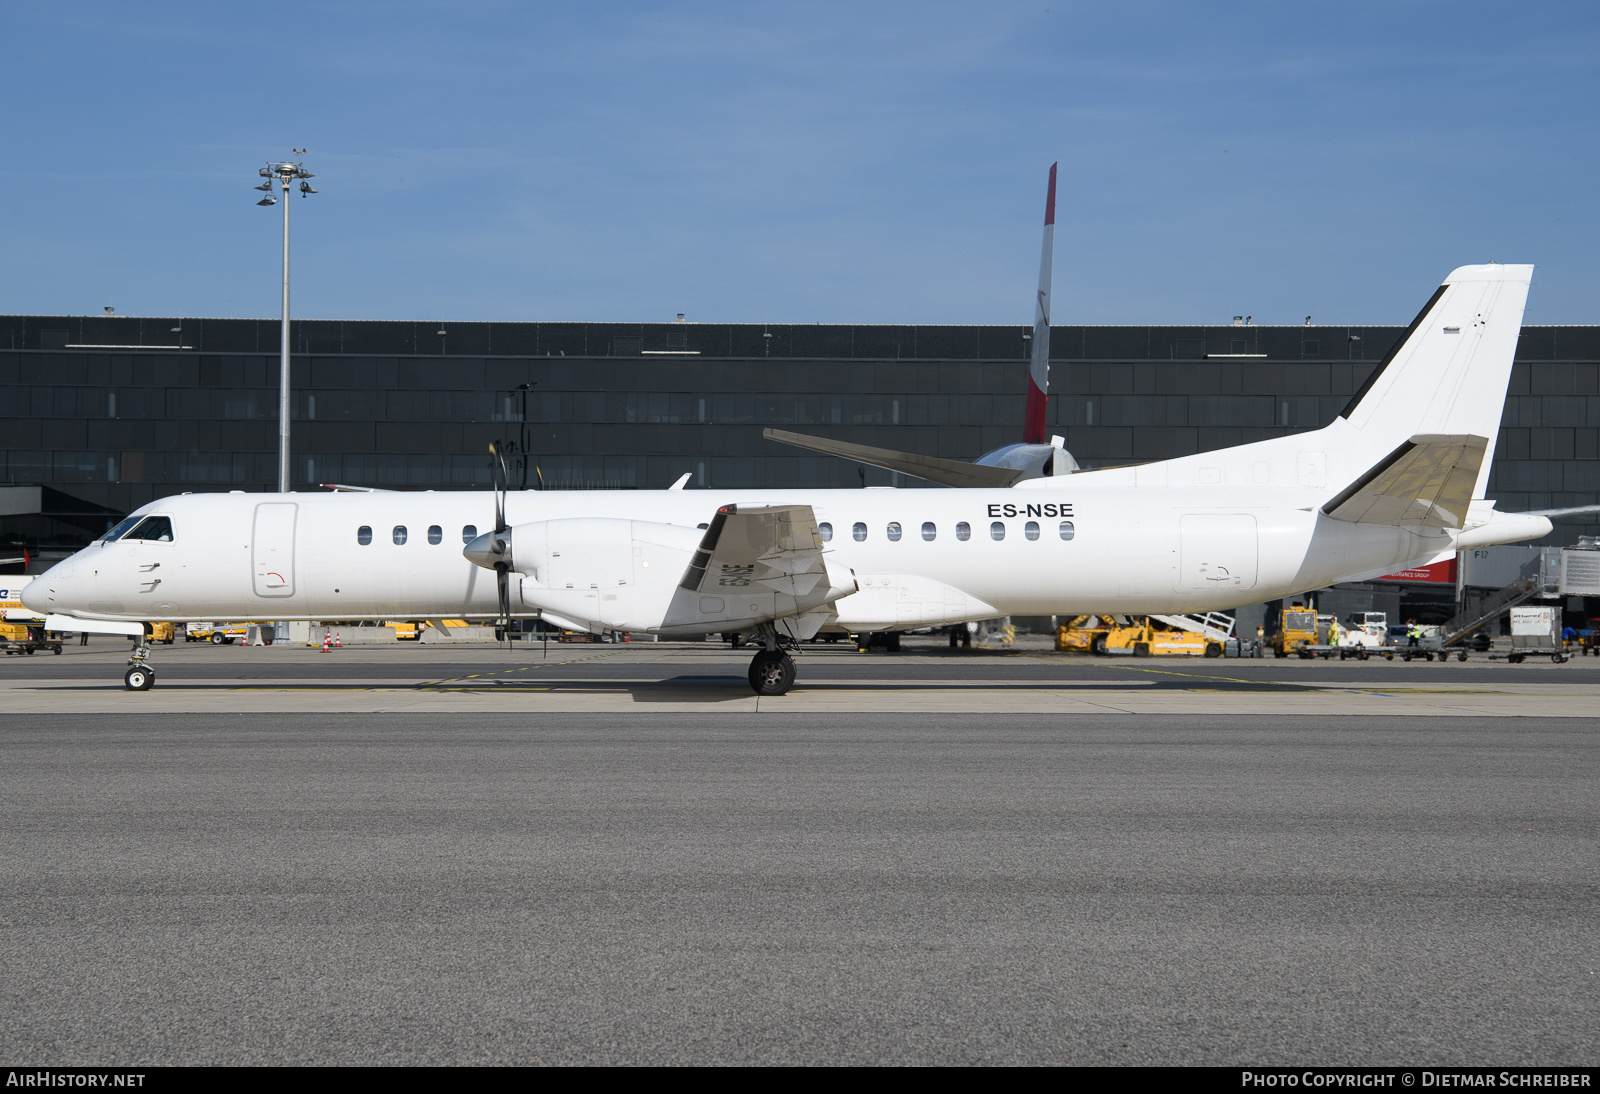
[1413, 632]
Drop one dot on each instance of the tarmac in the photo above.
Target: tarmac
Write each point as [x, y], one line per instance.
[709, 677]
[617, 854]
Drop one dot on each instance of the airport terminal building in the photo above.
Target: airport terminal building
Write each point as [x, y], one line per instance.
[101, 414]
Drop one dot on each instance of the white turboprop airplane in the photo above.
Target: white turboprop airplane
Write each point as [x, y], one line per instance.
[1397, 480]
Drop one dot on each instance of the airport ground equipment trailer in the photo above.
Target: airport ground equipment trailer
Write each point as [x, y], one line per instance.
[1536, 632]
[23, 639]
[1364, 635]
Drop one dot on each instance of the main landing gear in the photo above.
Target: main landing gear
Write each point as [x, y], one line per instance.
[772, 670]
[140, 676]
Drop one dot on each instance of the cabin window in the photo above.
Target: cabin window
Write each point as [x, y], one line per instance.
[158, 529]
[858, 532]
[1031, 529]
[827, 531]
[435, 534]
[1067, 531]
[929, 532]
[963, 531]
[894, 531]
[997, 530]
[364, 534]
[469, 532]
[399, 534]
[121, 529]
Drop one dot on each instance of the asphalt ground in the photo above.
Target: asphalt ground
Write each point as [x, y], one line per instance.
[653, 887]
[921, 659]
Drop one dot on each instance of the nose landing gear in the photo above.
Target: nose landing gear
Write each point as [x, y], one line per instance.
[140, 676]
[772, 670]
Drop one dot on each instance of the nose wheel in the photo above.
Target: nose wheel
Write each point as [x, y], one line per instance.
[140, 676]
[772, 672]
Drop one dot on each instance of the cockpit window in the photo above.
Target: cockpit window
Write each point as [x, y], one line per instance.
[158, 529]
[121, 529]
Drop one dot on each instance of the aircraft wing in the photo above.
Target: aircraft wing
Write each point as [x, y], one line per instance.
[773, 548]
[946, 472]
[1427, 482]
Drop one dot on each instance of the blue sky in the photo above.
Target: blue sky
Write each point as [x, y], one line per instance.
[807, 162]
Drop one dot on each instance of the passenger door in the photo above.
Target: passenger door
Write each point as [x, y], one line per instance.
[272, 548]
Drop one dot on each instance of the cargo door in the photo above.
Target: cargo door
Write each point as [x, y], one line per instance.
[1217, 551]
[272, 548]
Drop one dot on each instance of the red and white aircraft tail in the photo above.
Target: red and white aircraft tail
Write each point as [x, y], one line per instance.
[1033, 430]
[1037, 455]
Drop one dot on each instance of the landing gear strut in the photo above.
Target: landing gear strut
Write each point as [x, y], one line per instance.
[772, 670]
[140, 676]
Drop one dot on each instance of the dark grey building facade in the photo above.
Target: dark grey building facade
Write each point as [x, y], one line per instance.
[106, 413]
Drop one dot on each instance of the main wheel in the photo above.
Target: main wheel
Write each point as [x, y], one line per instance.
[216, 638]
[138, 678]
[771, 673]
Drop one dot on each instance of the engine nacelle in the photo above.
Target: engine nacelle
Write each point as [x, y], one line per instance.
[609, 573]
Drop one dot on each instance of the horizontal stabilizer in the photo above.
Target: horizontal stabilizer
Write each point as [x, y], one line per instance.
[945, 472]
[1570, 511]
[1427, 482]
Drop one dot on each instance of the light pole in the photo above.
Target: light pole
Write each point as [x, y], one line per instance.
[284, 173]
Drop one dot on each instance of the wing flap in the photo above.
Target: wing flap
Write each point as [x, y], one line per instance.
[1427, 482]
[756, 563]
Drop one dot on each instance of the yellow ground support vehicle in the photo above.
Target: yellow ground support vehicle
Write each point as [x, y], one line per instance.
[1297, 626]
[22, 638]
[1139, 636]
[1080, 633]
[1146, 637]
[411, 630]
[220, 634]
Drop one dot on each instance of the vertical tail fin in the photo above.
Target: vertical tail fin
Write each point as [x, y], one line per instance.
[1449, 371]
[1033, 429]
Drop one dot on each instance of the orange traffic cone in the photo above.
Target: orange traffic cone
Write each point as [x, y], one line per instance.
[338, 645]
[324, 641]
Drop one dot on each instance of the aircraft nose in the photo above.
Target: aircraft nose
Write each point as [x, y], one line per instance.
[489, 549]
[38, 596]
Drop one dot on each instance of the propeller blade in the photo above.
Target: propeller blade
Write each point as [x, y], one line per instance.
[499, 487]
[502, 577]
